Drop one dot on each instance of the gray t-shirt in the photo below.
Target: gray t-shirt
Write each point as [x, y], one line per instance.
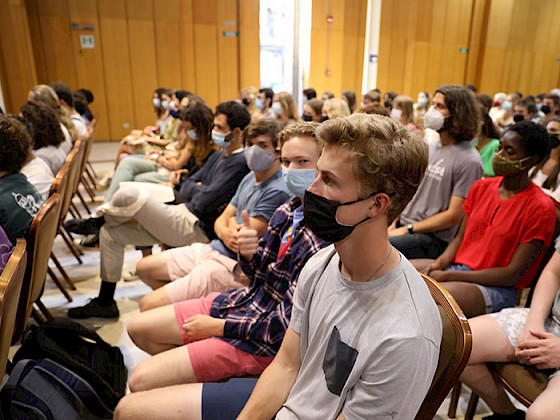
[451, 171]
[368, 349]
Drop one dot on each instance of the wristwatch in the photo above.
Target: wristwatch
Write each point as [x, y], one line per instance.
[410, 229]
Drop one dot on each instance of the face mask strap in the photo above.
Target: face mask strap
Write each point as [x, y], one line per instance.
[356, 201]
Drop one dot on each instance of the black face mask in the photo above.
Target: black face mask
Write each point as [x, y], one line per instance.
[319, 214]
[387, 103]
[554, 141]
[324, 118]
[245, 101]
[307, 118]
[518, 118]
[545, 109]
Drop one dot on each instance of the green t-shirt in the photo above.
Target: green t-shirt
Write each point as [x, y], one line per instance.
[19, 203]
[486, 155]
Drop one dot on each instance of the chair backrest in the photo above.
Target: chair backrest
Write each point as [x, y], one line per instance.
[11, 280]
[454, 352]
[61, 185]
[77, 161]
[39, 246]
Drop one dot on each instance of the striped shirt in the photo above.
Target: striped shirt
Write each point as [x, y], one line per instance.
[258, 315]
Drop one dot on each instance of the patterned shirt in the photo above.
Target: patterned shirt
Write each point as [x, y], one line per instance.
[258, 315]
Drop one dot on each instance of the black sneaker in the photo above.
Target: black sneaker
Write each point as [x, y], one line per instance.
[90, 241]
[95, 309]
[518, 415]
[82, 226]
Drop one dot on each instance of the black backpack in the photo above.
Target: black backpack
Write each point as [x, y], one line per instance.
[45, 390]
[80, 350]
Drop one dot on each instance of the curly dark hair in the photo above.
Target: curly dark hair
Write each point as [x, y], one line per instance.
[263, 126]
[236, 114]
[534, 139]
[46, 129]
[14, 144]
[464, 119]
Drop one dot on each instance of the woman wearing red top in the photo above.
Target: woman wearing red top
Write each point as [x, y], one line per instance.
[508, 222]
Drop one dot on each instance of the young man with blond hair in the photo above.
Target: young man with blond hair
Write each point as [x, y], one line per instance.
[364, 335]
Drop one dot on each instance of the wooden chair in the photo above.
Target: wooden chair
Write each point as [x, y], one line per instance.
[454, 352]
[39, 245]
[11, 281]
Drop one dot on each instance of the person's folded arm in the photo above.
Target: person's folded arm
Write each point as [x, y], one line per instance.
[276, 381]
[521, 261]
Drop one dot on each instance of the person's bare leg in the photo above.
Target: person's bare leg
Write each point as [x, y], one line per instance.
[153, 271]
[547, 405]
[172, 367]
[490, 344]
[182, 402]
[468, 296]
[421, 263]
[154, 299]
[156, 331]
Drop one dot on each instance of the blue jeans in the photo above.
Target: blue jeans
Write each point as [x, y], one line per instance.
[129, 168]
[419, 245]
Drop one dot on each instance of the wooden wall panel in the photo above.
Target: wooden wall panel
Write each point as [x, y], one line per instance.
[17, 67]
[187, 52]
[206, 51]
[116, 62]
[227, 20]
[249, 44]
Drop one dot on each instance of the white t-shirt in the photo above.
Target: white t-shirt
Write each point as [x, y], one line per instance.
[368, 349]
[53, 156]
[539, 179]
[79, 123]
[67, 144]
[39, 175]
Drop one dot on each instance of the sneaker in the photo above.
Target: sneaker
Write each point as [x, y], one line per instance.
[518, 415]
[95, 309]
[90, 241]
[106, 180]
[130, 276]
[82, 226]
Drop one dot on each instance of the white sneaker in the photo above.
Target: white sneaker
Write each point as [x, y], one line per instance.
[106, 180]
[130, 276]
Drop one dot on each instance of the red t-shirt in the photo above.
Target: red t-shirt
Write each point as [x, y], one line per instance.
[496, 227]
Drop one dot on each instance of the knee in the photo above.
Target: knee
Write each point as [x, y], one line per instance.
[140, 378]
[124, 197]
[124, 408]
[147, 303]
[138, 332]
[143, 268]
[541, 412]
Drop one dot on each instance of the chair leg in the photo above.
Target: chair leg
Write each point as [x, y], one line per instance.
[90, 167]
[81, 197]
[75, 213]
[471, 408]
[46, 313]
[59, 284]
[455, 393]
[87, 187]
[69, 282]
[68, 241]
[90, 176]
[38, 316]
[9, 367]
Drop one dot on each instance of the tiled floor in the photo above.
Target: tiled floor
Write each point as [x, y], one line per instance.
[128, 294]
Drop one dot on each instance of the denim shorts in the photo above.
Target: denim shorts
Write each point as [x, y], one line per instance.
[496, 298]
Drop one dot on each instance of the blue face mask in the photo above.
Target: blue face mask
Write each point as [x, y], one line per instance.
[259, 104]
[192, 134]
[422, 101]
[506, 106]
[298, 180]
[156, 102]
[539, 106]
[220, 139]
[174, 113]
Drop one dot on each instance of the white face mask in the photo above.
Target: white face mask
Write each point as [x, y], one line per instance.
[276, 108]
[192, 134]
[433, 119]
[396, 114]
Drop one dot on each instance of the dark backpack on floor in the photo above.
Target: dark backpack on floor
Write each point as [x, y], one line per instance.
[81, 351]
[45, 390]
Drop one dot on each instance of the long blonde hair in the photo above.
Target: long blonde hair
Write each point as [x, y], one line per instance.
[46, 95]
[288, 105]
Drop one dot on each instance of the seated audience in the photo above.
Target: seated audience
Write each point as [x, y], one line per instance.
[46, 95]
[372, 97]
[550, 107]
[526, 110]
[248, 97]
[546, 174]
[507, 225]
[421, 106]
[309, 94]
[66, 98]
[187, 155]
[487, 142]
[47, 135]
[285, 109]
[133, 217]
[252, 320]
[528, 336]
[334, 108]
[388, 98]
[89, 99]
[431, 219]
[403, 111]
[485, 101]
[312, 110]
[199, 269]
[264, 102]
[349, 96]
[364, 335]
[374, 108]
[326, 95]
[505, 119]
[496, 111]
[19, 200]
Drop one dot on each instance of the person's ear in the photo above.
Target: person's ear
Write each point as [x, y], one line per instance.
[378, 205]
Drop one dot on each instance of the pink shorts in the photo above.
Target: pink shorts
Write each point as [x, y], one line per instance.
[214, 359]
[197, 270]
